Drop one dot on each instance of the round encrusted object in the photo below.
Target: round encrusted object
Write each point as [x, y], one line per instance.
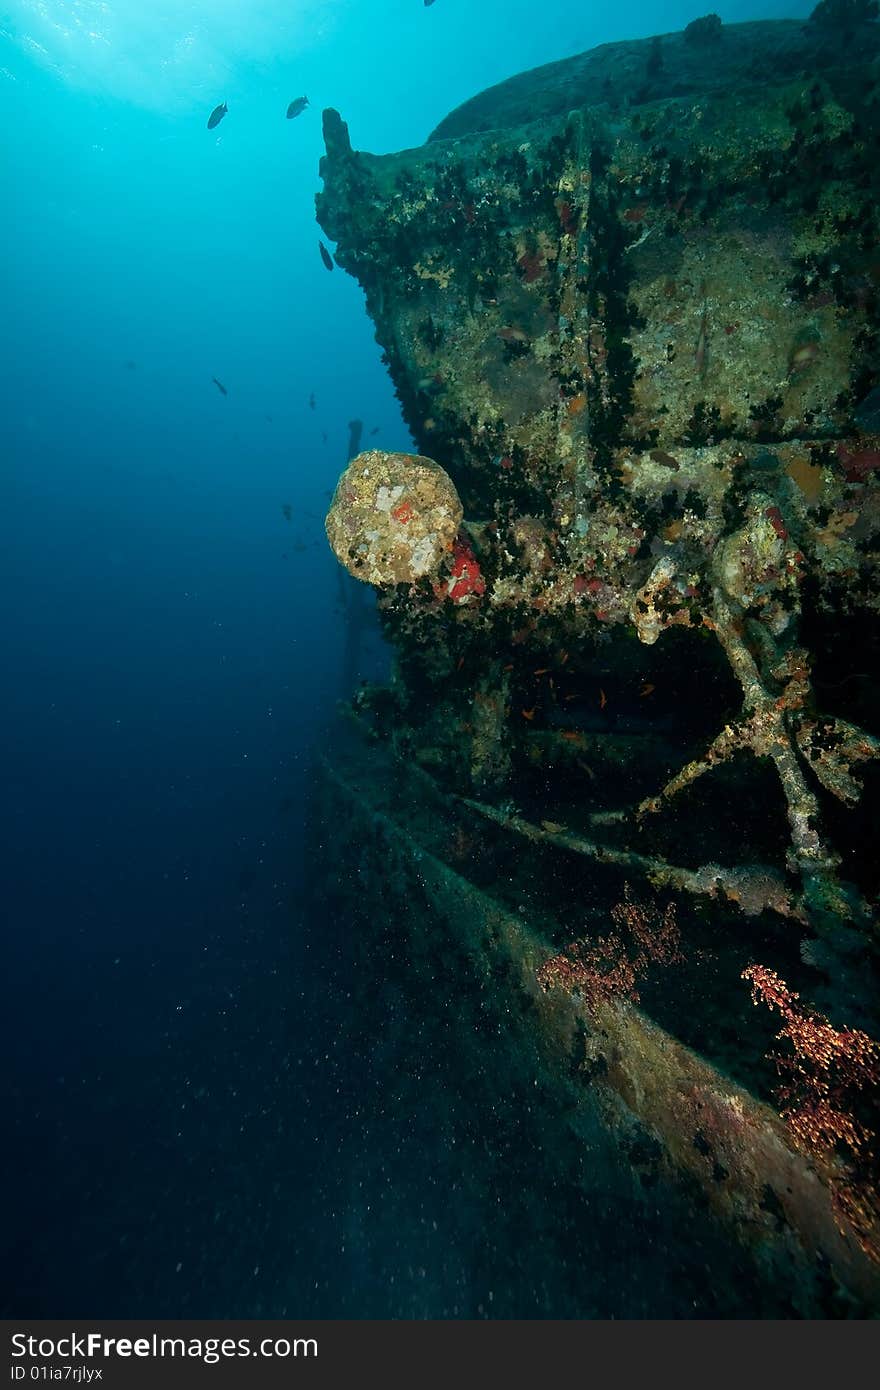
[393, 518]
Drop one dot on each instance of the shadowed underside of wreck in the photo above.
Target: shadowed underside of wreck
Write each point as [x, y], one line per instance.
[630, 304]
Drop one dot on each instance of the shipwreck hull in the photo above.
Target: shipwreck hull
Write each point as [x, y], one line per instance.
[630, 304]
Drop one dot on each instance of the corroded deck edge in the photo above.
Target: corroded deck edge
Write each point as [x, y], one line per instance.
[714, 1133]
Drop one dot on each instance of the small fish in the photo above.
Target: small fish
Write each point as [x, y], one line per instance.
[217, 115]
[460, 663]
[312, 401]
[220, 387]
[375, 430]
[603, 698]
[428, 3]
[297, 107]
[668, 461]
[286, 511]
[647, 689]
[541, 671]
[529, 713]
[552, 827]
[325, 255]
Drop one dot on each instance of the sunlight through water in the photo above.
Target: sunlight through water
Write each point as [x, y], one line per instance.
[165, 55]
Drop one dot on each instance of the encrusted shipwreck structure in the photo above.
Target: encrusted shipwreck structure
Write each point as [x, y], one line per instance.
[630, 303]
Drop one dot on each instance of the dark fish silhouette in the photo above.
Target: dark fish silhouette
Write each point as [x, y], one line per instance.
[297, 107]
[375, 430]
[217, 115]
[325, 255]
[220, 387]
[355, 430]
[312, 401]
[324, 436]
[286, 511]
[428, 2]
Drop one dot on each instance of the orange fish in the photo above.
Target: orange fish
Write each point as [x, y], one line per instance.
[563, 657]
[529, 713]
[647, 689]
[542, 671]
[603, 698]
[508, 668]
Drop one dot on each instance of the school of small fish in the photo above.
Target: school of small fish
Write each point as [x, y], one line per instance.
[296, 108]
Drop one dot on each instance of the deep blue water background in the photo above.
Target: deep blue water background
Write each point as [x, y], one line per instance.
[172, 645]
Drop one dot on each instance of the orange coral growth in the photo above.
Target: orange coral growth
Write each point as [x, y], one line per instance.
[829, 1078]
[466, 580]
[610, 967]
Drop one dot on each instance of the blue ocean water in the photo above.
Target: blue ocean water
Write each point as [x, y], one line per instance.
[172, 636]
